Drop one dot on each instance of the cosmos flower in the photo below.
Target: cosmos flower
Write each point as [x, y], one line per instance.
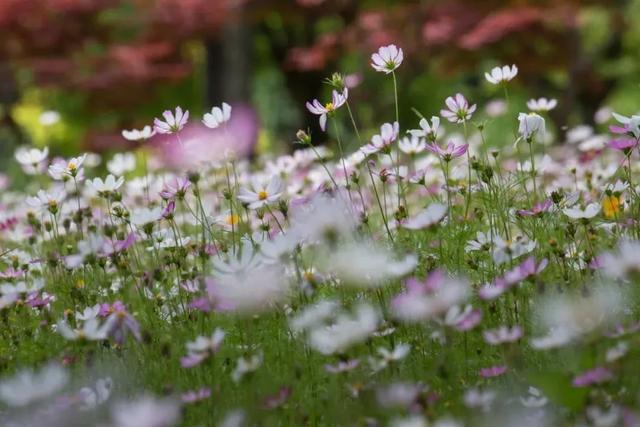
[172, 123]
[541, 105]
[458, 110]
[503, 335]
[141, 134]
[108, 186]
[428, 217]
[427, 130]
[202, 348]
[31, 159]
[387, 59]
[382, 141]
[412, 146]
[449, 153]
[146, 411]
[47, 201]
[337, 100]
[590, 211]
[62, 170]
[29, 386]
[261, 194]
[631, 124]
[531, 125]
[501, 74]
[218, 116]
[121, 163]
[346, 330]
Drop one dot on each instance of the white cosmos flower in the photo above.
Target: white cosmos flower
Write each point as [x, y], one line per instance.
[146, 411]
[122, 163]
[632, 122]
[427, 130]
[432, 215]
[28, 386]
[501, 74]
[347, 329]
[531, 125]
[508, 250]
[314, 315]
[247, 365]
[365, 265]
[47, 200]
[72, 168]
[91, 330]
[541, 104]
[413, 145]
[31, 158]
[138, 134]
[322, 218]
[211, 343]
[387, 59]
[172, 123]
[261, 194]
[382, 141]
[144, 216]
[109, 185]
[589, 212]
[217, 116]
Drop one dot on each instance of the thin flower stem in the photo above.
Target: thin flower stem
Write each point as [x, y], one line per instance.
[344, 164]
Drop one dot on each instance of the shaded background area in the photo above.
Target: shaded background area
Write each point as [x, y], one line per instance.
[105, 65]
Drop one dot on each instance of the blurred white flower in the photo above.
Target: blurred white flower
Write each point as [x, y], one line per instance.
[541, 104]
[139, 135]
[217, 116]
[28, 386]
[501, 74]
[387, 59]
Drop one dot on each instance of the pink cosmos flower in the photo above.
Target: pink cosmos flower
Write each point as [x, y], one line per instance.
[502, 335]
[451, 152]
[537, 210]
[512, 277]
[459, 110]
[387, 59]
[193, 396]
[176, 187]
[493, 371]
[172, 123]
[594, 376]
[381, 142]
[337, 101]
[119, 322]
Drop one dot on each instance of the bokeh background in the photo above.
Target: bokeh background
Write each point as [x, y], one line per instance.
[95, 67]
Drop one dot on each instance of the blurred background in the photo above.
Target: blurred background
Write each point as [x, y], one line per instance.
[74, 73]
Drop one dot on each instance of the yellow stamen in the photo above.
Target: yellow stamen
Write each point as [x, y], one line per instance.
[262, 195]
[329, 106]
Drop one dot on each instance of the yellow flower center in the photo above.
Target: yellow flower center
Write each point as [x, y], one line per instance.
[233, 219]
[72, 166]
[611, 206]
[329, 106]
[262, 195]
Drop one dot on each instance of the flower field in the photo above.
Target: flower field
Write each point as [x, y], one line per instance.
[428, 277]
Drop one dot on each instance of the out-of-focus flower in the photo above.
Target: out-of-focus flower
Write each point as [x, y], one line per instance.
[172, 123]
[146, 411]
[140, 134]
[631, 124]
[28, 386]
[337, 100]
[121, 163]
[387, 357]
[217, 116]
[458, 110]
[49, 118]
[541, 105]
[345, 331]
[31, 159]
[412, 146]
[594, 376]
[426, 300]
[430, 216]
[502, 335]
[202, 348]
[387, 59]
[501, 74]
[427, 130]
[144, 216]
[193, 396]
[47, 201]
[106, 187]
[246, 365]
[588, 212]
